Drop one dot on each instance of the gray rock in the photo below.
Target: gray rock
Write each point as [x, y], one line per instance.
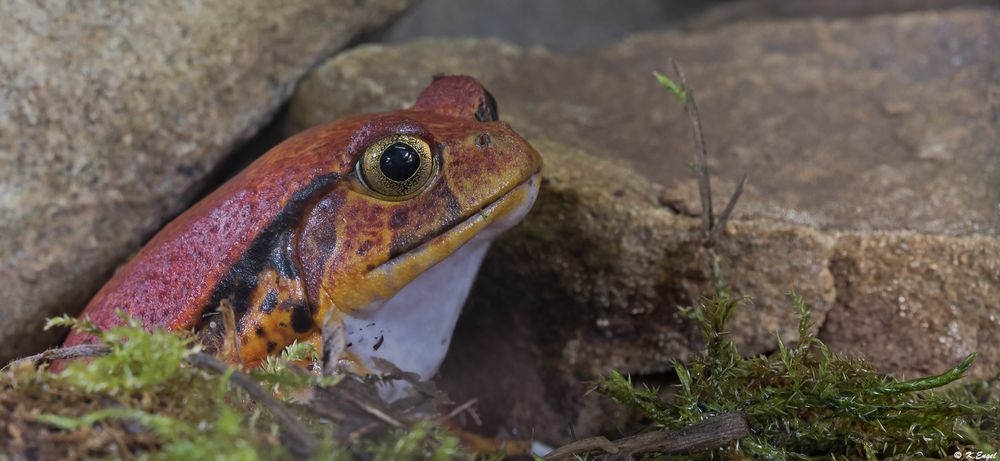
[874, 177]
[554, 24]
[753, 10]
[112, 114]
[578, 24]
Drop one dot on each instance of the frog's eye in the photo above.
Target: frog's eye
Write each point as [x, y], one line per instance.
[397, 166]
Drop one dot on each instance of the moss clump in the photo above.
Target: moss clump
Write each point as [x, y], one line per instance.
[137, 363]
[145, 400]
[422, 441]
[805, 402]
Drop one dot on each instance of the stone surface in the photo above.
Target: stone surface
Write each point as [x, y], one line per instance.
[872, 150]
[578, 24]
[915, 303]
[553, 24]
[111, 115]
[753, 10]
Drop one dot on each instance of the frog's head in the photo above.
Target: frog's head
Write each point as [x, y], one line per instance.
[426, 181]
[395, 243]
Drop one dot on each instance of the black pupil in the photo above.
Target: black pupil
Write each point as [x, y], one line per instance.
[399, 161]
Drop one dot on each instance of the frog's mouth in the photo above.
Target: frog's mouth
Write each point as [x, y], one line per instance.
[486, 224]
[413, 325]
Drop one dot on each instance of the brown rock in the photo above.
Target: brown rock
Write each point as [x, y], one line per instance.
[111, 114]
[877, 130]
[917, 303]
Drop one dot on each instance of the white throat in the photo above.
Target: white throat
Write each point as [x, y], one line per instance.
[413, 328]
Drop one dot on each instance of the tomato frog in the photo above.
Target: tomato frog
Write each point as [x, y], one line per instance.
[379, 221]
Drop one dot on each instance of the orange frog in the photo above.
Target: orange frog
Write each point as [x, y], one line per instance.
[379, 220]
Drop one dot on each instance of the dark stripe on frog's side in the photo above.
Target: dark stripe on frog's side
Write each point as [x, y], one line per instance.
[274, 247]
[270, 302]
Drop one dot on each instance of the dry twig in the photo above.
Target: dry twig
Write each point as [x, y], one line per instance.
[710, 226]
[587, 445]
[62, 353]
[701, 152]
[715, 432]
[299, 441]
[465, 407]
[721, 223]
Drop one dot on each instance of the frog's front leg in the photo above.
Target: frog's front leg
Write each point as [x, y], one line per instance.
[327, 343]
[271, 302]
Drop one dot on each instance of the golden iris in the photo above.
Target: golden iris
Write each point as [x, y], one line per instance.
[397, 166]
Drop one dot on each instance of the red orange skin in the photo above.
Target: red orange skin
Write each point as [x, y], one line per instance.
[168, 284]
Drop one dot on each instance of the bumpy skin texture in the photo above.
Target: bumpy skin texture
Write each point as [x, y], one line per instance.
[297, 233]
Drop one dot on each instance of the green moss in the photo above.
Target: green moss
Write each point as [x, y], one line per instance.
[144, 400]
[138, 362]
[423, 441]
[280, 372]
[805, 402]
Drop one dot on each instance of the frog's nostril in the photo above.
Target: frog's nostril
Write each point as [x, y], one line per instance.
[487, 111]
[483, 140]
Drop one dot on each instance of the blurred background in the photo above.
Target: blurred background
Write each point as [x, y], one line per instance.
[572, 25]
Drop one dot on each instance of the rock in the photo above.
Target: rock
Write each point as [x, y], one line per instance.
[111, 116]
[755, 10]
[917, 303]
[559, 24]
[854, 133]
[567, 25]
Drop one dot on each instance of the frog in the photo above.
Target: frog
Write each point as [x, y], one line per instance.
[375, 223]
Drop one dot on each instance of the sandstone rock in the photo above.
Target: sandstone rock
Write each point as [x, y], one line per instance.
[855, 134]
[112, 113]
[915, 303]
